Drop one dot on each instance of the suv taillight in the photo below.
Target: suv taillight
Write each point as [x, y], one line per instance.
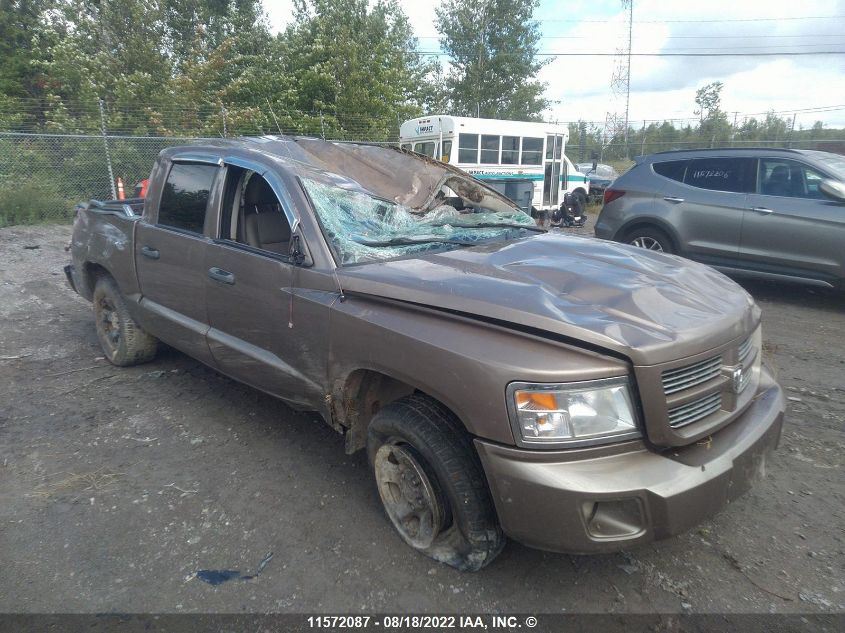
[612, 194]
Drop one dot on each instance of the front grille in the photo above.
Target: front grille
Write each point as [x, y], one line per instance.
[675, 380]
[745, 348]
[695, 410]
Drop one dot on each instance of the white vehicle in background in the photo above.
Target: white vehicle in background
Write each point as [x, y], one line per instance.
[504, 154]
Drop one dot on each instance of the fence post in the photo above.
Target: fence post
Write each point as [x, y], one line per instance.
[106, 146]
[322, 126]
[225, 127]
[582, 140]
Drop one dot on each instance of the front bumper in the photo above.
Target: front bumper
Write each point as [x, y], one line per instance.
[70, 273]
[610, 498]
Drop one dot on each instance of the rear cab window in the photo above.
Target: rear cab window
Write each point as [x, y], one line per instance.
[184, 198]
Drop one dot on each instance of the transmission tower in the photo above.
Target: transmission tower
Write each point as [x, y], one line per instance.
[616, 124]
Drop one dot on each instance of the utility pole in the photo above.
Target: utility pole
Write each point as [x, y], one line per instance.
[616, 124]
[628, 68]
[106, 145]
[792, 129]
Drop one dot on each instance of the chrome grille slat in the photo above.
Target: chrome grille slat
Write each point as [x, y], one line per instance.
[675, 380]
[745, 348]
[694, 411]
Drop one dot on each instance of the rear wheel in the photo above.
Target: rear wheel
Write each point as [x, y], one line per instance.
[651, 239]
[123, 341]
[431, 483]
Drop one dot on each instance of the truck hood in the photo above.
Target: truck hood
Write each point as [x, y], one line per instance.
[648, 307]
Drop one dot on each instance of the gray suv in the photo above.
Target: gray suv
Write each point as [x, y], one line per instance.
[771, 213]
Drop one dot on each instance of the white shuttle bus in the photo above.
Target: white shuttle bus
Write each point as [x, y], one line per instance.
[498, 150]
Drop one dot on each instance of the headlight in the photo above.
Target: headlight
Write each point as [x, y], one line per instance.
[572, 414]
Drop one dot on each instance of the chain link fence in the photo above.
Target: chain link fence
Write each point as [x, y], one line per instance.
[43, 176]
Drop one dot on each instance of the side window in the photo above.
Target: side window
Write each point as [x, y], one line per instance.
[253, 214]
[406, 146]
[185, 196]
[672, 169]
[532, 151]
[722, 174]
[426, 148]
[490, 149]
[510, 150]
[789, 178]
[447, 151]
[468, 148]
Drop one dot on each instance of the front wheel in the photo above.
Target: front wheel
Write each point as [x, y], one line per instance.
[431, 483]
[650, 239]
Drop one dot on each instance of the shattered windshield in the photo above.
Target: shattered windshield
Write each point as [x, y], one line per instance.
[363, 228]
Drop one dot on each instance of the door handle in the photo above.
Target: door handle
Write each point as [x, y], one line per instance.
[152, 253]
[763, 210]
[672, 199]
[223, 276]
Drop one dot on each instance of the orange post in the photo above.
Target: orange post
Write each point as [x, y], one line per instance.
[121, 195]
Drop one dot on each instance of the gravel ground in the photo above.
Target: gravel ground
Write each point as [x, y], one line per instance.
[117, 485]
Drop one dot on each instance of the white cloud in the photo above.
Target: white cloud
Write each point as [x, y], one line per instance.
[664, 87]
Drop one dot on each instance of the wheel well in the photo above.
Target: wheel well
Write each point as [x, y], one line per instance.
[91, 272]
[359, 398]
[646, 224]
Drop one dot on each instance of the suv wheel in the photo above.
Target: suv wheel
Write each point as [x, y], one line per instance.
[124, 343]
[650, 239]
[431, 483]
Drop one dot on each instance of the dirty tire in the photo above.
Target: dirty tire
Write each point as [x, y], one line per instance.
[432, 437]
[124, 343]
[650, 238]
[582, 198]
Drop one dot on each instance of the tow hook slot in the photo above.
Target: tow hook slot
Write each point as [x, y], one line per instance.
[613, 519]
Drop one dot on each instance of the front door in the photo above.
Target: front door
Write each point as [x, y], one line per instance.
[790, 227]
[260, 325]
[552, 171]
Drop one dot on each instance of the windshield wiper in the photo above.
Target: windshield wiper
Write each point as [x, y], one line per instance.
[495, 225]
[408, 241]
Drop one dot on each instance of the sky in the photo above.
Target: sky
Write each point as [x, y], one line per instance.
[664, 87]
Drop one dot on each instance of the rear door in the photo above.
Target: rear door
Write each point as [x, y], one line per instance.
[790, 227]
[704, 199]
[170, 259]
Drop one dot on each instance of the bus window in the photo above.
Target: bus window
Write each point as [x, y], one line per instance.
[447, 151]
[510, 150]
[426, 149]
[532, 151]
[553, 146]
[490, 149]
[468, 148]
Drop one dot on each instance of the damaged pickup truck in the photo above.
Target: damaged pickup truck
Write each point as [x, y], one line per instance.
[573, 394]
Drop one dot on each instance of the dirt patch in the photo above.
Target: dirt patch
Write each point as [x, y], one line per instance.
[118, 485]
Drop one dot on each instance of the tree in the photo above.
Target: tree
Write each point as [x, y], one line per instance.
[708, 99]
[353, 67]
[714, 126]
[492, 48]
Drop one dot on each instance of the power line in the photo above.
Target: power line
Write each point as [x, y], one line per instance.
[662, 54]
[673, 37]
[783, 19]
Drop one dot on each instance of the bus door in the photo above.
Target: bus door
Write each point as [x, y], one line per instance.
[552, 171]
